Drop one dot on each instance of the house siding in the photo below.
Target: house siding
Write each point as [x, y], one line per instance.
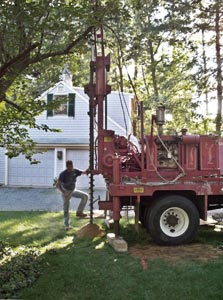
[70, 127]
[21, 172]
[2, 165]
[119, 106]
[72, 140]
[78, 127]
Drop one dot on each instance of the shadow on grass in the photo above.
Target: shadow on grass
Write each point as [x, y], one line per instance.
[208, 235]
[22, 236]
[84, 268]
[30, 228]
[90, 269]
[35, 228]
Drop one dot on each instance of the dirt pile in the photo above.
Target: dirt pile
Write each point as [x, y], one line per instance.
[198, 252]
[90, 231]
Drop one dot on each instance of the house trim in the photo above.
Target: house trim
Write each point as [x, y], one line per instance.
[64, 146]
[6, 169]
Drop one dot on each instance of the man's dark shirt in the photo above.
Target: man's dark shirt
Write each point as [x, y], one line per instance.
[68, 179]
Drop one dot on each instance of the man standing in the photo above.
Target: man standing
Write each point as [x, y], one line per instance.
[66, 184]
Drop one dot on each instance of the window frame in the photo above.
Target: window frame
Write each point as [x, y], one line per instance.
[70, 105]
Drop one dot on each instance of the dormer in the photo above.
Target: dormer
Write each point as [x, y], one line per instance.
[64, 93]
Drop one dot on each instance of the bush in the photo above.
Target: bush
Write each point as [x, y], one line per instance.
[18, 269]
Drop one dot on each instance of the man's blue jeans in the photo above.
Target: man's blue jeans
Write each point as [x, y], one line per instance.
[66, 204]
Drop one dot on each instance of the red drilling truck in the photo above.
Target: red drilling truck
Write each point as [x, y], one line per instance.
[171, 180]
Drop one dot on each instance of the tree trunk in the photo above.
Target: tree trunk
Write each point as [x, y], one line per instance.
[153, 70]
[219, 70]
[120, 67]
[205, 72]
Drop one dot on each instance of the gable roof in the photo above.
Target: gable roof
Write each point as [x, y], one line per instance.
[74, 90]
[79, 91]
[54, 89]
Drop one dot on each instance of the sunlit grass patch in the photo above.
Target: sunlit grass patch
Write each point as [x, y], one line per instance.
[89, 268]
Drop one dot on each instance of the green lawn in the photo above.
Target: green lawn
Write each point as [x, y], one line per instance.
[55, 264]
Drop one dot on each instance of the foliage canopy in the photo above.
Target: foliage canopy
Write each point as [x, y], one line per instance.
[167, 44]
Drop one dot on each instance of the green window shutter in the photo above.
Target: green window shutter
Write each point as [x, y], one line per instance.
[49, 101]
[71, 106]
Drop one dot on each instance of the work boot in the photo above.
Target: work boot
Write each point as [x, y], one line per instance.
[68, 227]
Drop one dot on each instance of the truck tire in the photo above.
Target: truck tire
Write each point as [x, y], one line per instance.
[172, 220]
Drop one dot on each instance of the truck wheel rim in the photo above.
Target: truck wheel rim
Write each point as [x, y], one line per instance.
[174, 222]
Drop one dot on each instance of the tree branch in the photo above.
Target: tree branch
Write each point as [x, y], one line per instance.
[67, 50]
[17, 58]
[19, 108]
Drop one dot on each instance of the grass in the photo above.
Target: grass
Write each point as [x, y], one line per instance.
[82, 268]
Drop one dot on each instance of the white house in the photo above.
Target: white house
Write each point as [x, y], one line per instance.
[72, 143]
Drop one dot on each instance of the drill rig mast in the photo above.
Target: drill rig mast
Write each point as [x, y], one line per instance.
[97, 89]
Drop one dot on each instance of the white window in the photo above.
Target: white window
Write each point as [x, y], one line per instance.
[66, 105]
[60, 88]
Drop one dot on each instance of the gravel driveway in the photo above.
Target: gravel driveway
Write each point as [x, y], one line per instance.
[37, 199]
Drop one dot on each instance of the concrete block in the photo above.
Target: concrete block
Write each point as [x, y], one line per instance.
[118, 243]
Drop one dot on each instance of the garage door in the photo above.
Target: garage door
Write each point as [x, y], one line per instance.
[80, 160]
[23, 174]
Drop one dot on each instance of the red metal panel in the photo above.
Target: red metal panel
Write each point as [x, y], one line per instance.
[105, 205]
[201, 188]
[208, 153]
[190, 139]
[151, 154]
[191, 157]
[221, 155]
